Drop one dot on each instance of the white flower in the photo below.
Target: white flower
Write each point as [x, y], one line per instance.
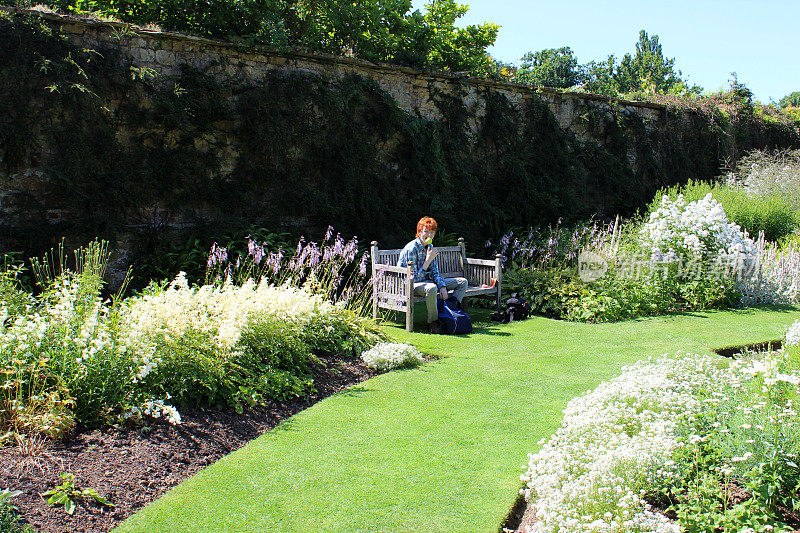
[387, 355]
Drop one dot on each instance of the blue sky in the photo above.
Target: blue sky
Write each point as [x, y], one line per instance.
[709, 39]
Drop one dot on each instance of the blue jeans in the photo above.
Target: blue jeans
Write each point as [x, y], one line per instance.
[430, 291]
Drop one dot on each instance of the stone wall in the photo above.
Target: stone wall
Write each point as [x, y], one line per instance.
[166, 52]
[608, 156]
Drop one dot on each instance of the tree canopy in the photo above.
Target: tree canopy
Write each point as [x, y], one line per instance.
[792, 100]
[647, 70]
[375, 30]
[552, 67]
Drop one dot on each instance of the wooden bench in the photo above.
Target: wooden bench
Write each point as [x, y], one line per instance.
[393, 286]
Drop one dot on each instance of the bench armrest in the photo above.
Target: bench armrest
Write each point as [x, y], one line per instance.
[391, 268]
[481, 262]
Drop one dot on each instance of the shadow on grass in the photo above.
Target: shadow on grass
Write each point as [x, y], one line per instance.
[741, 349]
[741, 311]
[285, 425]
[481, 323]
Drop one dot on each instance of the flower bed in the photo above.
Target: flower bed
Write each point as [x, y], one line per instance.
[69, 357]
[686, 256]
[709, 445]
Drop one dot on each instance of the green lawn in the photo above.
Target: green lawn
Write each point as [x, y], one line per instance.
[438, 448]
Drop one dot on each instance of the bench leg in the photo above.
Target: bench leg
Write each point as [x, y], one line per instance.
[409, 290]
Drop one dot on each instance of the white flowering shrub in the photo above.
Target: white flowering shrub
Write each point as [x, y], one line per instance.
[666, 434]
[594, 471]
[228, 343]
[388, 355]
[221, 313]
[699, 229]
[70, 356]
[792, 337]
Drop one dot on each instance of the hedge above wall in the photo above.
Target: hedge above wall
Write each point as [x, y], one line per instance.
[94, 143]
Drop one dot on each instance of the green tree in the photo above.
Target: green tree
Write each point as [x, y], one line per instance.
[552, 67]
[645, 71]
[649, 71]
[376, 30]
[600, 77]
[457, 49]
[792, 99]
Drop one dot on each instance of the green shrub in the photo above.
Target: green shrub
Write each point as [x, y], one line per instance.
[13, 299]
[191, 370]
[561, 294]
[271, 362]
[768, 212]
[610, 299]
[549, 292]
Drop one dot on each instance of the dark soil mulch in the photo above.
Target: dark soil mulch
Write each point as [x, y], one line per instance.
[133, 466]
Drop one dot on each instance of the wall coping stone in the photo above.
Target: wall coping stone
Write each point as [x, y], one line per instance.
[320, 57]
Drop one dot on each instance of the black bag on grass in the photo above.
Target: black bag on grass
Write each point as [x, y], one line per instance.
[516, 309]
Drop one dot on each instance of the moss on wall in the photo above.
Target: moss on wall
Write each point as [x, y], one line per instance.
[93, 144]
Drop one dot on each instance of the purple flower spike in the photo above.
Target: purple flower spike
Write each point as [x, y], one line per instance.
[303, 255]
[350, 250]
[328, 234]
[362, 266]
[259, 253]
[338, 247]
[313, 255]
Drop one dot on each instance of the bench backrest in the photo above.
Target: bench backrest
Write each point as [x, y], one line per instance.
[450, 259]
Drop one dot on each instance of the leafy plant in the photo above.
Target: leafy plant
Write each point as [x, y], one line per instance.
[68, 493]
[9, 514]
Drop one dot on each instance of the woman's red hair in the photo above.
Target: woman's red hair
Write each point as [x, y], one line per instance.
[426, 223]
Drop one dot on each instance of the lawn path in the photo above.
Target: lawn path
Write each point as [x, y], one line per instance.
[439, 448]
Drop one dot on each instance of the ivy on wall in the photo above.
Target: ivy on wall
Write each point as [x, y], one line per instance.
[120, 150]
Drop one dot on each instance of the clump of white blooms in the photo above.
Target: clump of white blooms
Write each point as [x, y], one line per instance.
[389, 355]
[590, 474]
[678, 230]
[617, 443]
[155, 409]
[792, 337]
[73, 330]
[221, 312]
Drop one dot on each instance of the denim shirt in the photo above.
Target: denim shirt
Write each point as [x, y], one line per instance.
[415, 251]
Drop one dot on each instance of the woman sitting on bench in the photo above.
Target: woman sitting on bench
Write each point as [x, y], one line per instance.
[427, 280]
